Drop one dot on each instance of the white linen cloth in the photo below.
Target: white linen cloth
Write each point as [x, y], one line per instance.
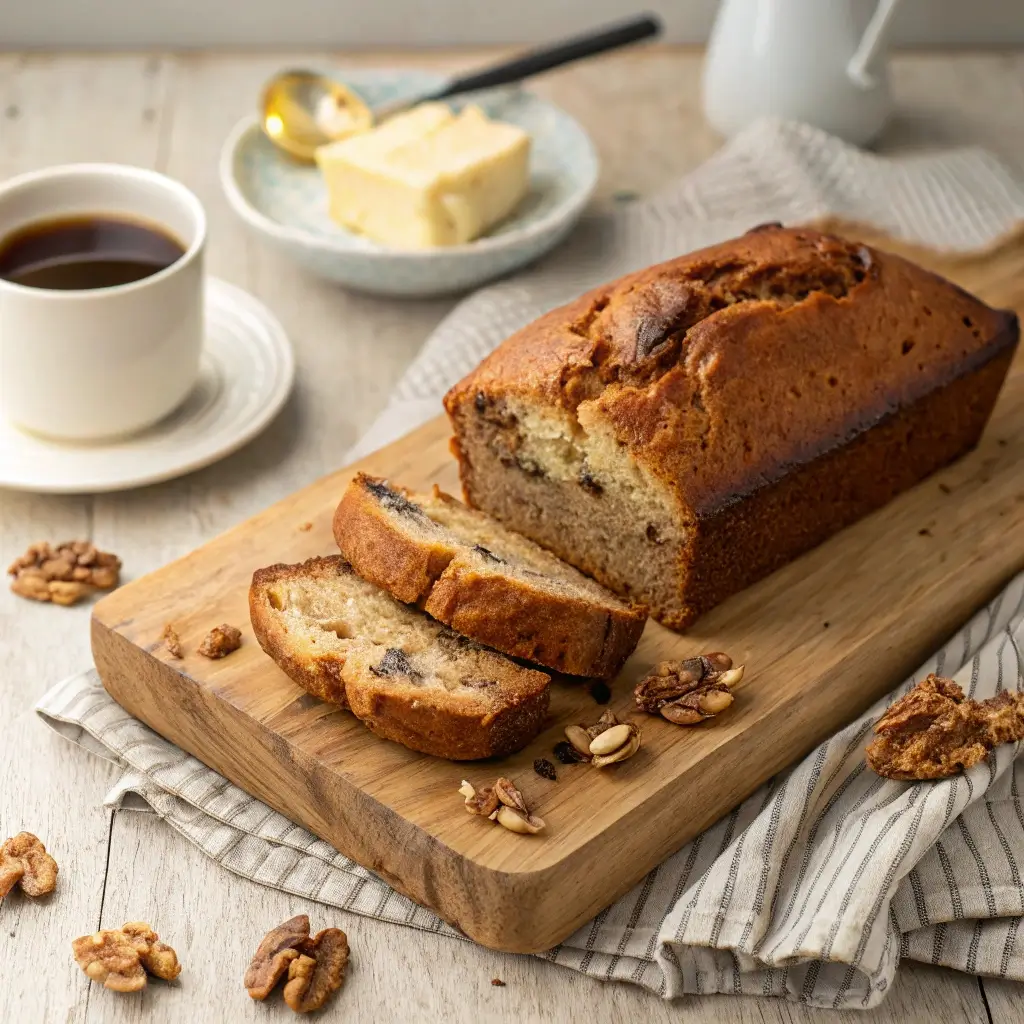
[816, 886]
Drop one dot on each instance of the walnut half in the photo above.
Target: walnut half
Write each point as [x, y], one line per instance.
[934, 731]
[688, 692]
[315, 966]
[122, 958]
[24, 861]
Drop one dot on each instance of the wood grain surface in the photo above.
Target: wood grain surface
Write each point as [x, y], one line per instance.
[172, 112]
[821, 639]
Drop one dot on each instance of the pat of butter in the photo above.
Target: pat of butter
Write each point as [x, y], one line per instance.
[428, 177]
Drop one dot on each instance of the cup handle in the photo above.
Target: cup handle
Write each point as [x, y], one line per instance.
[871, 43]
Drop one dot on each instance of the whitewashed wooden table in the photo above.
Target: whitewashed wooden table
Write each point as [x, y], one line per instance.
[172, 113]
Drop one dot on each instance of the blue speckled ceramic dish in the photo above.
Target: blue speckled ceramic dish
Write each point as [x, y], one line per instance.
[286, 203]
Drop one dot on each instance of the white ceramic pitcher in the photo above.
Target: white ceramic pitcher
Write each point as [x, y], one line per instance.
[803, 60]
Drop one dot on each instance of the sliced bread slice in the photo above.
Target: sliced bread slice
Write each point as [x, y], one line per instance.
[407, 677]
[487, 582]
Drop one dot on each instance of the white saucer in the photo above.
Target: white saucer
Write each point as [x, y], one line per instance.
[245, 376]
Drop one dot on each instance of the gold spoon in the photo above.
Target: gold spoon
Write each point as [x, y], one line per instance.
[303, 110]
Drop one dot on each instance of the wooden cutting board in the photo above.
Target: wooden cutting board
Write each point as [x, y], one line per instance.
[822, 639]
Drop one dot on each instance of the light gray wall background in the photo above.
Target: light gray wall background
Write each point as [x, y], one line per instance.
[332, 24]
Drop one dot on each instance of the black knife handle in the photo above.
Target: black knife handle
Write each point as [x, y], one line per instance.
[534, 61]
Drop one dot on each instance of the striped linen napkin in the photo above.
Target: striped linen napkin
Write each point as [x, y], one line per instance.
[816, 886]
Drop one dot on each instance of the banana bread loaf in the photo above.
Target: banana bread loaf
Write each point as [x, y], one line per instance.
[686, 430]
[488, 583]
[405, 676]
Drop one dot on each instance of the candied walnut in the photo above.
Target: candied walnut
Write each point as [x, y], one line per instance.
[172, 641]
[504, 804]
[688, 692]
[24, 860]
[63, 574]
[221, 641]
[278, 948]
[318, 971]
[119, 958]
[934, 731]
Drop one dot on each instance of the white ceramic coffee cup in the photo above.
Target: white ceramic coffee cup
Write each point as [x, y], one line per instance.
[98, 363]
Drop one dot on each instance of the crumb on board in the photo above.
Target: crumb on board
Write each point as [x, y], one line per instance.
[497, 983]
[305, 527]
[221, 641]
[172, 641]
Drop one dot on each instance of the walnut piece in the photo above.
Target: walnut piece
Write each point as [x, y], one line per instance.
[278, 948]
[221, 641]
[119, 958]
[63, 574]
[504, 804]
[691, 691]
[934, 731]
[24, 860]
[318, 971]
[172, 641]
[315, 966]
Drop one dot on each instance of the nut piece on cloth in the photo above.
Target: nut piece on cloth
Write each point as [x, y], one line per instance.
[277, 949]
[318, 971]
[63, 574]
[24, 860]
[688, 692]
[934, 731]
[221, 641]
[504, 804]
[119, 958]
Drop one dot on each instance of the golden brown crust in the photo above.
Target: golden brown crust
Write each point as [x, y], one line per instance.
[565, 633]
[482, 717]
[568, 630]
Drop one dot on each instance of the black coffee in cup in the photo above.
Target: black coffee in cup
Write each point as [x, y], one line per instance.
[86, 252]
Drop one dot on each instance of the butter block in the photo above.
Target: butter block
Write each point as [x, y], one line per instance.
[428, 177]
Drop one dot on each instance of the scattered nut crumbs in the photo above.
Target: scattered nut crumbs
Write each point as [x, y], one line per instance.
[543, 767]
[504, 804]
[600, 691]
[172, 641]
[934, 731]
[63, 574]
[25, 862]
[305, 527]
[221, 641]
[497, 983]
[691, 691]
[315, 965]
[122, 958]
